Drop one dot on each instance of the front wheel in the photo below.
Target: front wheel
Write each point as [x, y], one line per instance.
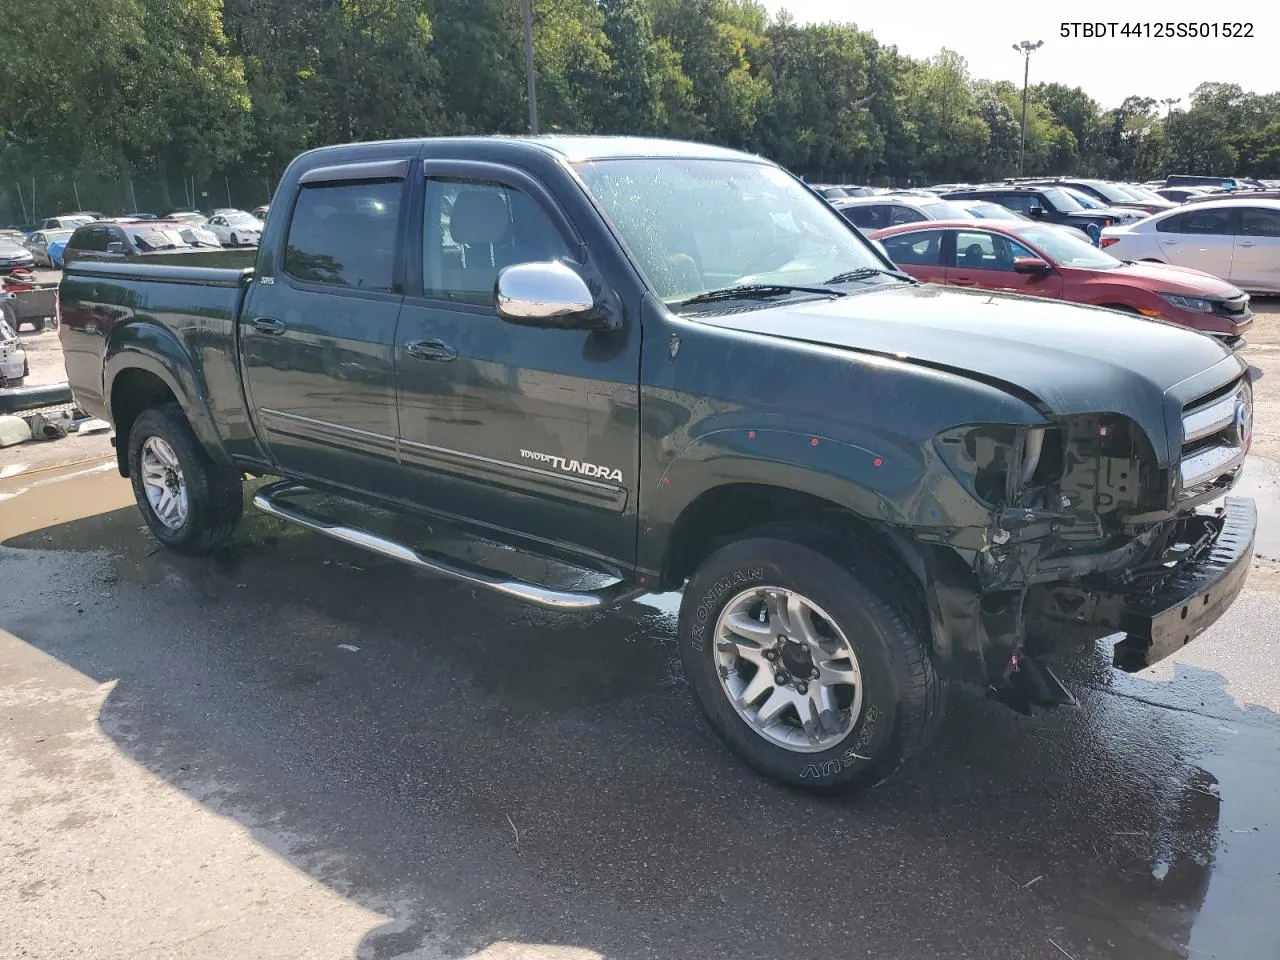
[812, 672]
[191, 503]
[235, 241]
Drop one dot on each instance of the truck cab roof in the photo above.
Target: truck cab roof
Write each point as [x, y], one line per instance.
[574, 149]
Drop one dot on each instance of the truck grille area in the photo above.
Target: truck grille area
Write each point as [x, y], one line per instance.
[1216, 431]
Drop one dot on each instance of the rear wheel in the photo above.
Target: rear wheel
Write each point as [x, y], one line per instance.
[190, 503]
[814, 673]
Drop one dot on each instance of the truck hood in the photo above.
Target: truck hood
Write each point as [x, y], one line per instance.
[1070, 358]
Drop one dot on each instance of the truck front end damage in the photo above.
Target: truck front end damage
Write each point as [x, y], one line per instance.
[1088, 534]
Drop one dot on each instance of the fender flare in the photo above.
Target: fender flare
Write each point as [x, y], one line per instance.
[841, 473]
[145, 345]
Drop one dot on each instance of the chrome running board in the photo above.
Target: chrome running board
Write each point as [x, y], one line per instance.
[271, 501]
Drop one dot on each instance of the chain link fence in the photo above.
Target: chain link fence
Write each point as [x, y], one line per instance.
[30, 197]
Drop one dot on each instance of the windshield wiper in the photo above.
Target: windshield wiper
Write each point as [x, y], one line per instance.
[757, 291]
[866, 273]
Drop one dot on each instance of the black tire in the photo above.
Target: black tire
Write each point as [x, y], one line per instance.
[214, 493]
[1122, 308]
[235, 242]
[904, 698]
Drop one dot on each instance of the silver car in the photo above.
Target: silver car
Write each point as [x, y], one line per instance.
[38, 244]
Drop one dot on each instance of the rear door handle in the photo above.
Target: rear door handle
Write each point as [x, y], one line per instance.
[964, 282]
[269, 325]
[1245, 243]
[431, 350]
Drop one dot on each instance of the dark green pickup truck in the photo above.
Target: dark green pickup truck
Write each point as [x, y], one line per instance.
[676, 367]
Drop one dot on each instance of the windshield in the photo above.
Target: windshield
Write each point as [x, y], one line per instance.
[1082, 198]
[699, 225]
[1113, 192]
[1061, 200]
[1068, 247]
[945, 210]
[1142, 193]
[992, 211]
[241, 220]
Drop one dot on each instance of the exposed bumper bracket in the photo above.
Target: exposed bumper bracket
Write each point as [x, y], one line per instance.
[1161, 621]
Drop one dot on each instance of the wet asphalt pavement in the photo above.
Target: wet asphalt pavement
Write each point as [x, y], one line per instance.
[194, 764]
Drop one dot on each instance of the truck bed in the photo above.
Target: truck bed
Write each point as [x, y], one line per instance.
[187, 313]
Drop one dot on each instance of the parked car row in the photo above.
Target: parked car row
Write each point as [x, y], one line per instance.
[44, 241]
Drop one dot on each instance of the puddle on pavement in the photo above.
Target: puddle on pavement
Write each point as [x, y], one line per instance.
[1261, 481]
[39, 500]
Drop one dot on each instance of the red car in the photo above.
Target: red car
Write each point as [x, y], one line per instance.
[1043, 260]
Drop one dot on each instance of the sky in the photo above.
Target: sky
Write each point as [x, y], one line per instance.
[1108, 69]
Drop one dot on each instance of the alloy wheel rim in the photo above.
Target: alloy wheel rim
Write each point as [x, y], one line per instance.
[787, 669]
[164, 483]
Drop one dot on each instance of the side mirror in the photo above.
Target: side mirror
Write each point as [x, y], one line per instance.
[1036, 211]
[545, 294]
[115, 246]
[1033, 265]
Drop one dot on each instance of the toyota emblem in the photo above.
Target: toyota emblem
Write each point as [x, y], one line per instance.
[1243, 423]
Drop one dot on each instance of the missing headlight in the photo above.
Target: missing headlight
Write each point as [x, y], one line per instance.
[998, 461]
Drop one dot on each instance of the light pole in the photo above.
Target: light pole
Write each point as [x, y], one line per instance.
[528, 67]
[1026, 48]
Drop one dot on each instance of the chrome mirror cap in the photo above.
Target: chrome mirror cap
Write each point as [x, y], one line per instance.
[546, 293]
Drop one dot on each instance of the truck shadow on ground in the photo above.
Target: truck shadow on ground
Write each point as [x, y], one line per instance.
[504, 775]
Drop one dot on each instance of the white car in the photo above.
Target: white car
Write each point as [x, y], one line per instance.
[13, 358]
[234, 228]
[1237, 240]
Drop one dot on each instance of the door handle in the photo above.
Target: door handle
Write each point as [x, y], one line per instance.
[431, 350]
[269, 325]
[1172, 243]
[1245, 243]
[964, 282]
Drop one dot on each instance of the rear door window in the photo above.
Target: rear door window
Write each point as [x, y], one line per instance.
[921, 248]
[867, 216]
[1212, 222]
[344, 234]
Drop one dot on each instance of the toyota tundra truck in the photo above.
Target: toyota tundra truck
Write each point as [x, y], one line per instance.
[676, 368]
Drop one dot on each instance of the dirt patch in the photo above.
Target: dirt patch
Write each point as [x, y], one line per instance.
[44, 357]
